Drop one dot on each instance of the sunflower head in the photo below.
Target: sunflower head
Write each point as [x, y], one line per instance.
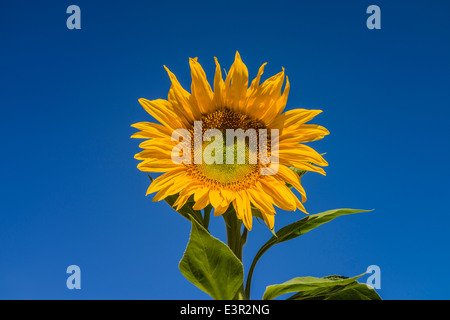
[237, 144]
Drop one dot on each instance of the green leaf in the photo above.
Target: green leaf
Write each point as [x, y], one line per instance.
[295, 230]
[211, 265]
[356, 291]
[305, 284]
[351, 291]
[306, 224]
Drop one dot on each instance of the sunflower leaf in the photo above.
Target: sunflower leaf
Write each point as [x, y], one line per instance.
[295, 230]
[338, 291]
[308, 286]
[356, 291]
[210, 264]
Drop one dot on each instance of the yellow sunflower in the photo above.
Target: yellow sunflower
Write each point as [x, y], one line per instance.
[230, 104]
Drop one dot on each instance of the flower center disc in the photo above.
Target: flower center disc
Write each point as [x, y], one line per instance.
[228, 175]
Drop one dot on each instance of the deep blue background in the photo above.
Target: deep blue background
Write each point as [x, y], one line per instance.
[70, 189]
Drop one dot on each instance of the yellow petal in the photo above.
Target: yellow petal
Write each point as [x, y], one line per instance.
[302, 165]
[262, 201]
[280, 104]
[218, 86]
[263, 106]
[182, 98]
[289, 176]
[236, 84]
[301, 152]
[295, 118]
[202, 201]
[175, 187]
[154, 153]
[252, 91]
[243, 209]
[300, 206]
[228, 196]
[221, 209]
[269, 219]
[200, 193]
[187, 192]
[200, 88]
[161, 110]
[165, 144]
[181, 201]
[151, 130]
[283, 197]
[215, 198]
[165, 180]
[303, 133]
[192, 187]
[156, 165]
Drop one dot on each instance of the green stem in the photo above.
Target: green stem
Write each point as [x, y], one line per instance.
[240, 294]
[206, 215]
[235, 241]
[249, 278]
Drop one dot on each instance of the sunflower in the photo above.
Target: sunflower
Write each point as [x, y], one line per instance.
[230, 104]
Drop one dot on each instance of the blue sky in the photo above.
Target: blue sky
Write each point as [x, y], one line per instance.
[71, 192]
